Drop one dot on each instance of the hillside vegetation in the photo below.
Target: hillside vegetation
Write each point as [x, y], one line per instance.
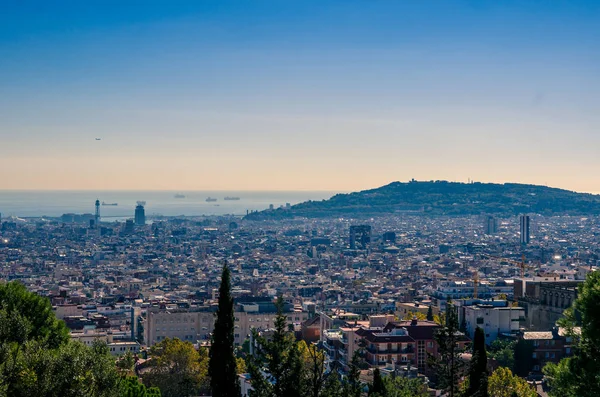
[446, 198]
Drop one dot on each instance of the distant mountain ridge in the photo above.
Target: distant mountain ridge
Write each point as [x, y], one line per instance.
[445, 198]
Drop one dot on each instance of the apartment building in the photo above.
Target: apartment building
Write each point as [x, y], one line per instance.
[196, 323]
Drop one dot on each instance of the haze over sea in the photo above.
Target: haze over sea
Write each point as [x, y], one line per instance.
[32, 203]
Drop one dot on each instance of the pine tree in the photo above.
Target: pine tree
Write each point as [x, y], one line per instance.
[377, 387]
[353, 386]
[279, 357]
[333, 386]
[430, 314]
[448, 364]
[222, 367]
[478, 367]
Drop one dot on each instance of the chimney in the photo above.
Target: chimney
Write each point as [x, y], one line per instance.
[414, 321]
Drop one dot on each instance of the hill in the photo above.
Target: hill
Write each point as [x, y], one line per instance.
[445, 198]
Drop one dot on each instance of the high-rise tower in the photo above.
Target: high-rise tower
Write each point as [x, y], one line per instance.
[97, 215]
[490, 225]
[140, 214]
[524, 229]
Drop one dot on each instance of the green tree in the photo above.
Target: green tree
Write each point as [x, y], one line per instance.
[177, 368]
[430, 314]
[502, 383]
[280, 358]
[126, 363]
[70, 370]
[37, 358]
[448, 364]
[132, 387]
[579, 375]
[523, 357]
[27, 316]
[377, 387]
[313, 361]
[412, 315]
[404, 387]
[353, 386]
[333, 386]
[222, 368]
[503, 351]
[478, 374]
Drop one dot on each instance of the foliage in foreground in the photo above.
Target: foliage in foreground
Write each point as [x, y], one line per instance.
[502, 383]
[177, 369]
[37, 358]
[579, 375]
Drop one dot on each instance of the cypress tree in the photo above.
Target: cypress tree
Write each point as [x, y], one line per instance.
[377, 388]
[430, 314]
[478, 367]
[222, 366]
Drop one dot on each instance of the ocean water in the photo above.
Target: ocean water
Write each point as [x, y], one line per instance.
[55, 203]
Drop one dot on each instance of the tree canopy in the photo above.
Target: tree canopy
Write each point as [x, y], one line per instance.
[579, 375]
[502, 383]
[177, 368]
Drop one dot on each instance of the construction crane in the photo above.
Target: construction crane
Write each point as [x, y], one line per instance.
[521, 265]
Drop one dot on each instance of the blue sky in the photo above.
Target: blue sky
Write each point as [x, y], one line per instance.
[326, 95]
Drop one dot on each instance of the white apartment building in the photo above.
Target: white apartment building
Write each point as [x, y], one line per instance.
[494, 320]
[117, 342]
[197, 324]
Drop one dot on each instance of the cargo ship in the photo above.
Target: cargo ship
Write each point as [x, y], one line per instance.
[210, 200]
[111, 204]
[231, 198]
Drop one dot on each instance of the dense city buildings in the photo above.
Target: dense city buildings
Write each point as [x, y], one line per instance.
[349, 285]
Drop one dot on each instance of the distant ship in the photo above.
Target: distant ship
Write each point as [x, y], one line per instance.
[178, 195]
[111, 204]
[231, 198]
[210, 200]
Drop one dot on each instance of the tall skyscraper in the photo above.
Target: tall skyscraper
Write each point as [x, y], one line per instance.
[140, 214]
[524, 229]
[490, 226]
[360, 236]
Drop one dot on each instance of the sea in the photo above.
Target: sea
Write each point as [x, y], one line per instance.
[30, 203]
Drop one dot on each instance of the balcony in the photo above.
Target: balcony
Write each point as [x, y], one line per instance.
[407, 350]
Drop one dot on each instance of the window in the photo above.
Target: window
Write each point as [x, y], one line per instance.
[479, 320]
[430, 345]
[547, 354]
[534, 355]
[553, 355]
[237, 335]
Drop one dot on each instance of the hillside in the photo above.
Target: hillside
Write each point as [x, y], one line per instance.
[445, 198]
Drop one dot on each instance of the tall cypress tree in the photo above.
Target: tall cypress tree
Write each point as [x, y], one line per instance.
[448, 364]
[222, 367]
[377, 388]
[478, 367]
[430, 314]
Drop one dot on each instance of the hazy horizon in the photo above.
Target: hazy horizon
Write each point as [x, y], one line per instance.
[298, 95]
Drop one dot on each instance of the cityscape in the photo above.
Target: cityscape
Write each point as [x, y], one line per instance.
[374, 285]
[299, 199]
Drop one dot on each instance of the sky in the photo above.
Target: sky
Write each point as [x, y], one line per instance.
[298, 94]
